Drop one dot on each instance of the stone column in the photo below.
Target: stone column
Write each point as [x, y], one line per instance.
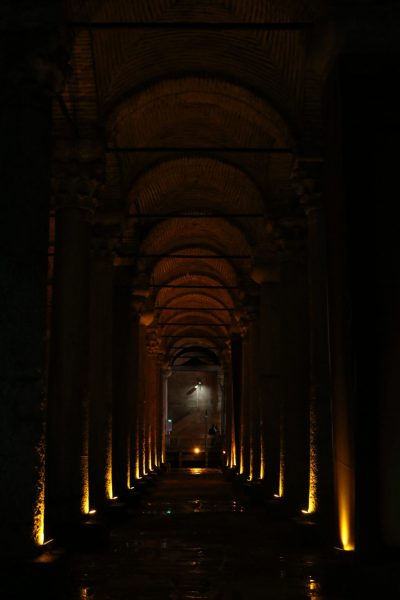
[272, 443]
[143, 306]
[100, 372]
[295, 370]
[254, 400]
[125, 341]
[75, 182]
[236, 369]
[321, 469]
[165, 374]
[228, 439]
[221, 408]
[25, 146]
[246, 405]
[149, 403]
[152, 398]
[159, 413]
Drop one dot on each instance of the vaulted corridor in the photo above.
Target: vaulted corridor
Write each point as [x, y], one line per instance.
[199, 269]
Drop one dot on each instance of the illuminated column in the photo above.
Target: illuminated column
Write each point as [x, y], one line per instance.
[159, 412]
[245, 409]
[100, 373]
[255, 401]
[295, 380]
[321, 468]
[150, 399]
[228, 418]
[166, 373]
[268, 277]
[75, 183]
[250, 406]
[221, 407]
[142, 305]
[25, 147]
[125, 380]
[236, 369]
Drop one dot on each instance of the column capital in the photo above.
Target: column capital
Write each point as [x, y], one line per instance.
[144, 308]
[307, 177]
[78, 173]
[152, 342]
[35, 64]
[264, 271]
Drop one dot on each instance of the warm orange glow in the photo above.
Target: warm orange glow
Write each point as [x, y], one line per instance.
[149, 449]
[128, 464]
[196, 471]
[85, 593]
[314, 589]
[196, 450]
[241, 459]
[39, 504]
[108, 466]
[251, 466]
[233, 444]
[85, 484]
[281, 473]
[92, 512]
[313, 476]
[262, 463]
[345, 499]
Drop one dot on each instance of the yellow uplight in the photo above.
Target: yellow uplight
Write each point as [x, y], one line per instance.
[39, 504]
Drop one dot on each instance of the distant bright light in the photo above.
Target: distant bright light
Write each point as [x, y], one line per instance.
[197, 450]
[92, 512]
[223, 451]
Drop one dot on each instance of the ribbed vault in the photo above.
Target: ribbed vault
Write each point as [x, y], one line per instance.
[233, 115]
[201, 122]
[176, 234]
[207, 10]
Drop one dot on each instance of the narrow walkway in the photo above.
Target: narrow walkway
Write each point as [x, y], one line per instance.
[195, 537]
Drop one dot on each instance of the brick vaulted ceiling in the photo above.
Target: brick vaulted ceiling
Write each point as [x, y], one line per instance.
[200, 108]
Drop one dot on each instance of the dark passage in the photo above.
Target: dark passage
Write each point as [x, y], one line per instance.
[195, 535]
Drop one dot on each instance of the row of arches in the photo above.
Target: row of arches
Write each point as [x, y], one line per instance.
[176, 188]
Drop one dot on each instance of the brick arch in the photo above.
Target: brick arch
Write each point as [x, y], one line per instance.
[236, 115]
[203, 281]
[186, 10]
[174, 234]
[207, 181]
[281, 53]
[165, 269]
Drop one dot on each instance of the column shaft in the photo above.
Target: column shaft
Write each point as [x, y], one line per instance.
[100, 380]
[270, 376]
[67, 409]
[25, 121]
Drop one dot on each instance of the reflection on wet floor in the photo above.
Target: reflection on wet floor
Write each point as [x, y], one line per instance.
[196, 538]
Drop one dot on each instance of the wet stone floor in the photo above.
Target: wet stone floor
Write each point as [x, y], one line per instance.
[194, 536]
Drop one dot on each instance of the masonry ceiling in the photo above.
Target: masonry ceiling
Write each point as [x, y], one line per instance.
[199, 127]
